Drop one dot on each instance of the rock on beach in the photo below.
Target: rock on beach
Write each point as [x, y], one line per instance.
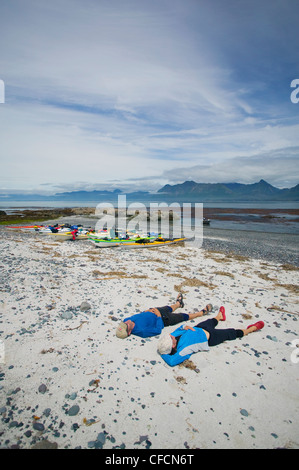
[67, 381]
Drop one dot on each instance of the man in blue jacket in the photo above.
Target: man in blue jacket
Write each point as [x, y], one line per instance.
[152, 321]
[186, 340]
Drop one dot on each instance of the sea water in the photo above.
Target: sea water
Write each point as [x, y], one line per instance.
[285, 222]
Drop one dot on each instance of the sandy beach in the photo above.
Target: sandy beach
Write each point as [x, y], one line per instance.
[66, 380]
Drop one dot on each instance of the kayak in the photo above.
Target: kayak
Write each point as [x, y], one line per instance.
[69, 236]
[65, 232]
[137, 243]
[121, 237]
[27, 227]
[48, 231]
[101, 243]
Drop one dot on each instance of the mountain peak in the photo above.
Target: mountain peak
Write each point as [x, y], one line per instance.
[261, 191]
[264, 183]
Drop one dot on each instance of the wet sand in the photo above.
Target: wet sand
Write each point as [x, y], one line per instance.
[258, 215]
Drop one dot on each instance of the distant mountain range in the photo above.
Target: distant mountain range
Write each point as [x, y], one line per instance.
[237, 192]
[187, 191]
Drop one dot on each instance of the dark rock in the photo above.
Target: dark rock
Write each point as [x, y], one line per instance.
[74, 410]
[38, 426]
[47, 412]
[85, 306]
[42, 388]
[45, 444]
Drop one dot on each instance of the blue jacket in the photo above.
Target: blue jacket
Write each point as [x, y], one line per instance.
[189, 343]
[146, 324]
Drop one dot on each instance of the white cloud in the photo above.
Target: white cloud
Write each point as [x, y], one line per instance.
[281, 168]
[105, 91]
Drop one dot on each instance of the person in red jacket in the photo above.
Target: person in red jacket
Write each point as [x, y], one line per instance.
[74, 233]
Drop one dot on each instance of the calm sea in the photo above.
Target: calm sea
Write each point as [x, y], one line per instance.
[15, 204]
[285, 223]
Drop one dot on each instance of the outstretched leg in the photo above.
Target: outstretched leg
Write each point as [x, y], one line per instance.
[175, 306]
[212, 322]
[171, 318]
[202, 312]
[216, 337]
[179, 302]
[251, 328]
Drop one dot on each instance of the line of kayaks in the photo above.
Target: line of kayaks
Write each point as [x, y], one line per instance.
[63, 232]
[140, 242]
[104, 238]
[130, 239]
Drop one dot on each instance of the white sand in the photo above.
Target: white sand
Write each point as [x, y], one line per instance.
[243, 394]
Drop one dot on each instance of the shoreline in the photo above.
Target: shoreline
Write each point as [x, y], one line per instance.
[265, 215]
[273, 246]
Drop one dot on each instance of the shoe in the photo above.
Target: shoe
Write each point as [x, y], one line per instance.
[222, 310]
[180, 300]
[259, 325]
[208, 309]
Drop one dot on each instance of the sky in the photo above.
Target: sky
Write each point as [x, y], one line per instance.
[136, 94]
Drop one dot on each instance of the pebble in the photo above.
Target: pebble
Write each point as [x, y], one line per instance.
[42, 388]
[38, 426]
[74, 410]
[85, 306]
[67, 315]
[101, 438]
[45, 444]
[272, 338]
[13, 424]
[98, 443]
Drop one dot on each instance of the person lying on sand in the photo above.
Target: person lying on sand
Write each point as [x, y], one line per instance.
[186, 340]
[152, 321]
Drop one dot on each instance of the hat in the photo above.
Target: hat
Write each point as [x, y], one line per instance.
[122, 330]
[165, 345]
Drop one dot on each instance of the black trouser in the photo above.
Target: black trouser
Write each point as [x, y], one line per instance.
[169, 318]
[219, 336]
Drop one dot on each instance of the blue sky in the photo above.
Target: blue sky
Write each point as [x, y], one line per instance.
[134, 94]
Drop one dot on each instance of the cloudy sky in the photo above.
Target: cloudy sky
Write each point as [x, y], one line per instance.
[134, 94]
